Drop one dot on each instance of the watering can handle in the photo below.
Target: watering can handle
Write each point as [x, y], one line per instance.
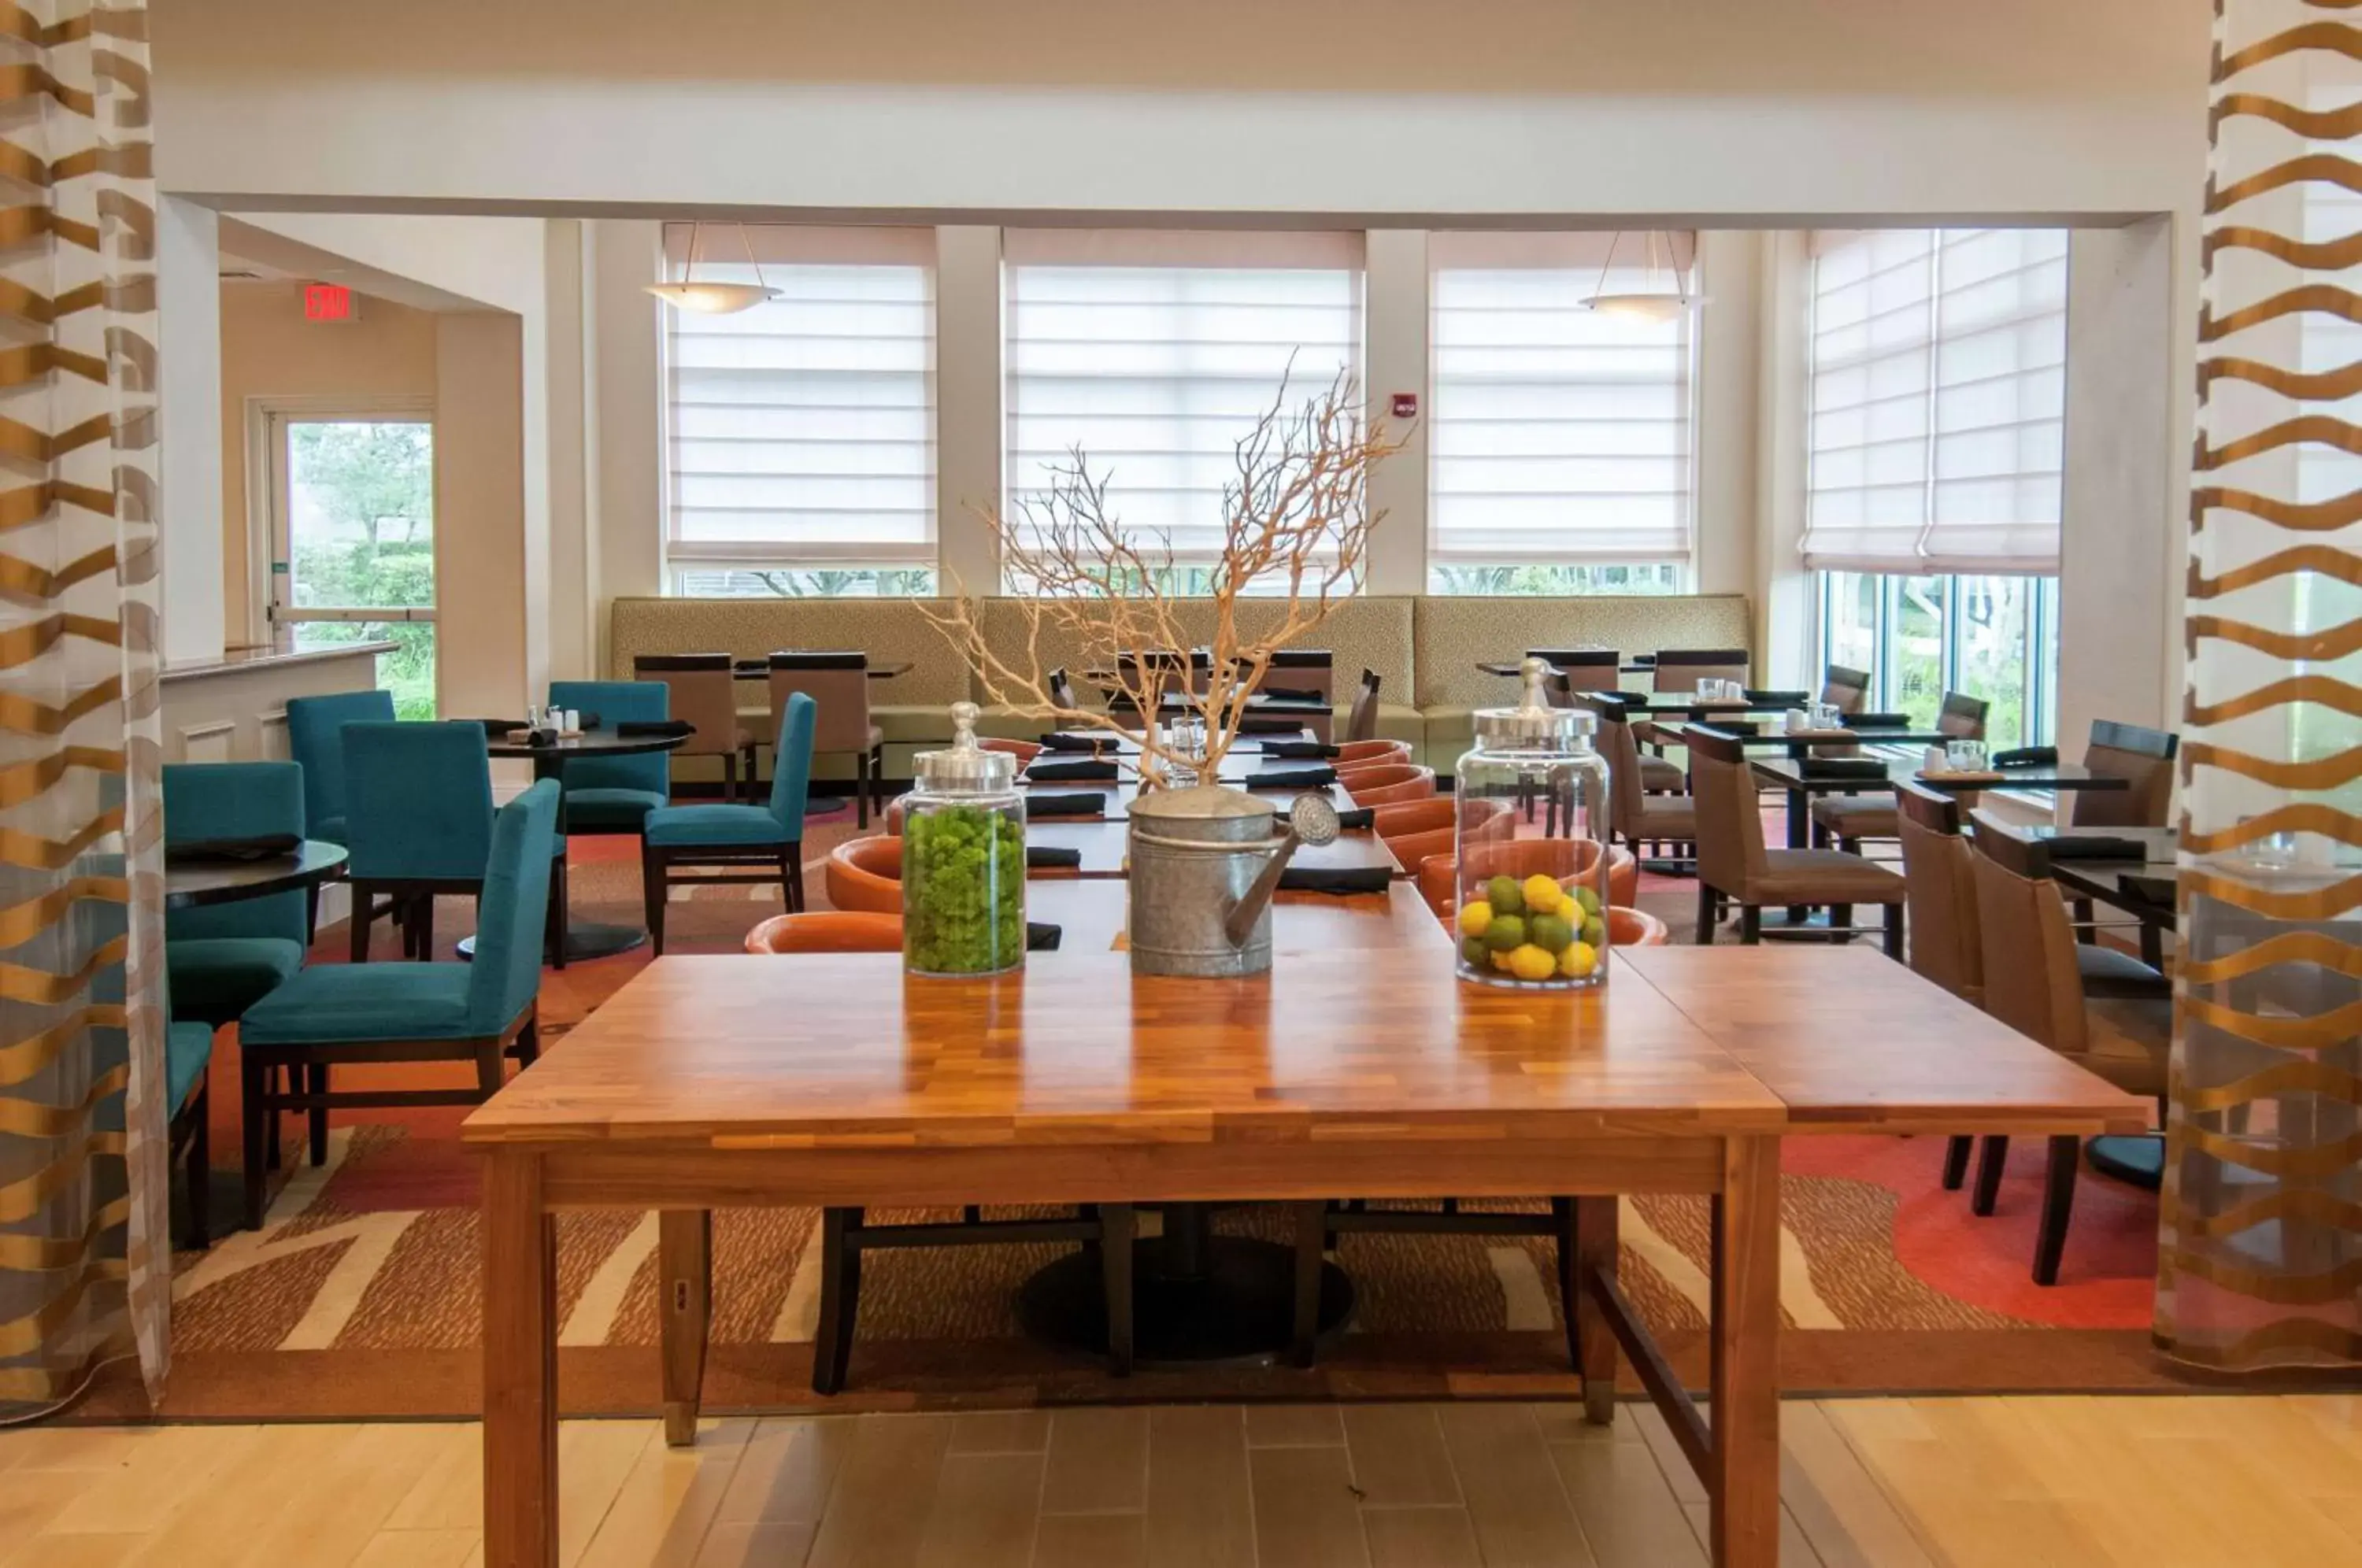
[1241, 922]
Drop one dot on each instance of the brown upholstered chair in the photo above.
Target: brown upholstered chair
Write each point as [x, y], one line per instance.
[838, 683]
[1362, 722]
[1305, 669]
[1062, 690]
[1847, 689]
[2033, 985]
[1941, 894]
[1680, 669]
[1734, 864]
[1587, 669]
[1640, 818]
[1846, 820]
[703, 690]
[2144, 759]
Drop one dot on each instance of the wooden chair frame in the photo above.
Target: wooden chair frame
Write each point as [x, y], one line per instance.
[742, 864]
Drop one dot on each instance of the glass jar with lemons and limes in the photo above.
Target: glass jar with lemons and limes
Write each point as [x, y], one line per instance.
[1530, 850]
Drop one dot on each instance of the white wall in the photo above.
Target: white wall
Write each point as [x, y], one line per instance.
[188, 324]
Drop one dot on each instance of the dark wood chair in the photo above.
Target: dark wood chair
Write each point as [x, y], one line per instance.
[1735, 865]
[1361, 722]
[838, 680]
[1846, 689]
[702, 691]
[2144, 759]
[1846, 820]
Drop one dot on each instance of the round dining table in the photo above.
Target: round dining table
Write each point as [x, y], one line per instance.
[195, 884]
[597, 938]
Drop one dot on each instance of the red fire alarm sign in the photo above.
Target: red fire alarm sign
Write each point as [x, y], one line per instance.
[327, 301]
[1406, 406]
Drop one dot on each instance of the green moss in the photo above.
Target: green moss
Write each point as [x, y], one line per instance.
[963, 892]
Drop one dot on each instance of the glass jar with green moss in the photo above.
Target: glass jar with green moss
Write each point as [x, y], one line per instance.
[964, 858]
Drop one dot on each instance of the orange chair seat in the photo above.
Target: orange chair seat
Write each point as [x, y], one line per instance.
[867, 874]
[1564, 859]
[1360, 754]
[828, 930]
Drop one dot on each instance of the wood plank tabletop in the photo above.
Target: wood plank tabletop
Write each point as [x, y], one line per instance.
[1851, 1041]
[842, 1051]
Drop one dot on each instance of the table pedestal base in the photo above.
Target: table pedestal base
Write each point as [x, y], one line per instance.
[2139, 1158]
[1238, 1307]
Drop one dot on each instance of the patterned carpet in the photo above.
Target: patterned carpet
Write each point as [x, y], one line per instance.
[360, 1297]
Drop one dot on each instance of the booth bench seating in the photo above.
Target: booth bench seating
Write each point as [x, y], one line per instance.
[1424, 649]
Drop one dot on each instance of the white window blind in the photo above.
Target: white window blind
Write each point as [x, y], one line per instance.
[803, 430]
[1155, 351]
[1557, 433]
[1939, 400]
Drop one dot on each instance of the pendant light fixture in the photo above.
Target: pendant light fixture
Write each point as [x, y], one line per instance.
[714, 299]
[1646, 305]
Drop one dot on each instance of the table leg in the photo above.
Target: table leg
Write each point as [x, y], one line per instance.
[685, 1269]
[1745, 1480]
[1595, 1221]
[520, 1366]
[1800, 820]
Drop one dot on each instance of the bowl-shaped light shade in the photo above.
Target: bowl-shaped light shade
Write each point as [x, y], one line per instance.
[1642, 307]
[714, 299]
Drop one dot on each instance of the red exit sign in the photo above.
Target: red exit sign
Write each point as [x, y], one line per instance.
[327, 301]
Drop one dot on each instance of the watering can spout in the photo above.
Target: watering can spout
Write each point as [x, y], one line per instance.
[1310, 820]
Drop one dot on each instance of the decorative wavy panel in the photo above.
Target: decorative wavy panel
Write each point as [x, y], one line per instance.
[2261, 1258]
[85, 1261]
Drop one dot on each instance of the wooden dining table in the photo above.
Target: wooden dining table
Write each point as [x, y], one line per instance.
[718, 1081]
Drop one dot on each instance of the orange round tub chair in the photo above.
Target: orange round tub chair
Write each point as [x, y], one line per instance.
[1365, 754]
[828, 930]
[1564, 858]
[1415, 830]
[1389, 785]
[1626, 928]
[866, 874]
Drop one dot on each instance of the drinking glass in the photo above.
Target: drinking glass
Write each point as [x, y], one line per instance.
[1965, 756]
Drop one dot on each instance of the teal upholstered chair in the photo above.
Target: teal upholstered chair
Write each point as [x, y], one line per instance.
[479, 1012]
[740, 844]
[420, 823]
[315, 739]
[226, 957]
[188, 1053]
[613, 794]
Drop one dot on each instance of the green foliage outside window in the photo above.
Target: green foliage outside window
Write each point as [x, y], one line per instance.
[363, 497]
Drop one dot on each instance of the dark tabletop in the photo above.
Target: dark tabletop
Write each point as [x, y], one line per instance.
[1787, 773]
[1649, 704]
[760, 669]
[2143, 888]
[590, 743]
[192, 884]
[1512, 669]
[1773, 736]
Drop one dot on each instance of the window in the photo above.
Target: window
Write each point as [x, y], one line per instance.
[1559, 437]
[1939, 398]
[1153, 353]
[801, 450]
[349, 503]
[1919, 636]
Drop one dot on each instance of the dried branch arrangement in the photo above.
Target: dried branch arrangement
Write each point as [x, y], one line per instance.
[1294, 511]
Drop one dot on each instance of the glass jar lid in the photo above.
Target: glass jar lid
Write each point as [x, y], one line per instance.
[1533, 724]
[966, 768]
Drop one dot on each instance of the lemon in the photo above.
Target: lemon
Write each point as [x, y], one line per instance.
[1550, 932]
[1474, 918]
[1579, 960]
[1505, 896]
[1542, 894]
[1530, 962]
[1500, 961]
[1506, 931]
[1589, 899]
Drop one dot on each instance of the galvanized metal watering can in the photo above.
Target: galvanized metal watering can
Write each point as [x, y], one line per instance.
[1205, 862]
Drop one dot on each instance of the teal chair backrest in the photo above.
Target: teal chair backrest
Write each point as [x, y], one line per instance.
[637, 700]
[236, 799]
[507, 972]
[315, 738]
[791, 766]
[419, 799]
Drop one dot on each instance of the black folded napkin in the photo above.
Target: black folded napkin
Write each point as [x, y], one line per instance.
[1776, 698]
[1291, 695]
[1042, 937]
[1051, 857]
[1088, 745]
[1251, 726]
[1300, 750]
[501, 726]
[2097, 846]
[1069, 772]
[1065, 804]
[1361, 818]
[2026, 757]
[1335, 880]
[654, 727]
[1291, 779]
[541, 737]
[1873, 721]
[215, 851]
[1842, 767]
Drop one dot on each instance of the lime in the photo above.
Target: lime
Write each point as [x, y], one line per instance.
[1472, 952]
[1530, 962]
[1594, 932]
[1504, 895]
[1589, 899]
[1506, 931]
[1474, 918]
[1550, 932]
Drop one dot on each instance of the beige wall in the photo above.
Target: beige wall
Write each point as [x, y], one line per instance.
[268, 350]
[480, 558]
